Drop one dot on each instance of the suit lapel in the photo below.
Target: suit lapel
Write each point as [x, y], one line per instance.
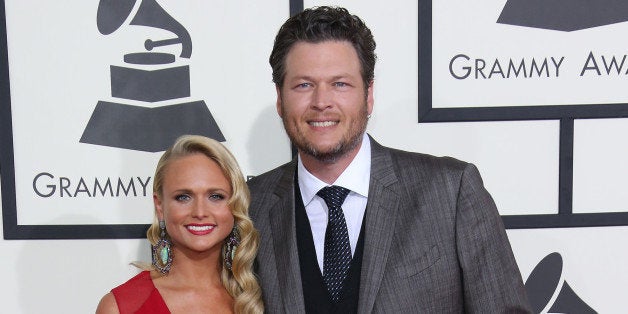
[281, 217]
[383, 203]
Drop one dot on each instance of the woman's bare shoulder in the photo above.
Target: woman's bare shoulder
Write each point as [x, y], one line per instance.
[107, 305]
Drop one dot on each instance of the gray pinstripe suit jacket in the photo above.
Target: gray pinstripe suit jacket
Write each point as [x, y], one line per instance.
[434, 242]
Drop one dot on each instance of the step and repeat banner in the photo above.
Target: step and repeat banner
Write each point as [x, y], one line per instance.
[532, 92]
[99, 89]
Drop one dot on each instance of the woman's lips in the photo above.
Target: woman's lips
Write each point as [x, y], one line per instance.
[200, 229]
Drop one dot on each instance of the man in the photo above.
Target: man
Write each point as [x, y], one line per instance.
[405, 233]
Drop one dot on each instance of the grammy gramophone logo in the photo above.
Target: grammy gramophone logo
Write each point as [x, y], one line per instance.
[149, 77]
[549, 292]
[563, 15]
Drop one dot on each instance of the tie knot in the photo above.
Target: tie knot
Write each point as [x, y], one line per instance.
[333, 195]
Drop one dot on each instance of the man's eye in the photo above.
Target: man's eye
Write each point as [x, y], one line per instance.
[304, 85]
[340, 84]
[182, 198]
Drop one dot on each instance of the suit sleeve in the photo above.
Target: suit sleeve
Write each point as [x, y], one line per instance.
[491, 279]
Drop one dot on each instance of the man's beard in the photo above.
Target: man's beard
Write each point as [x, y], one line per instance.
[347, 143]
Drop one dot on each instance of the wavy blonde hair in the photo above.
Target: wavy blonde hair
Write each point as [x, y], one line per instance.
[241, 283]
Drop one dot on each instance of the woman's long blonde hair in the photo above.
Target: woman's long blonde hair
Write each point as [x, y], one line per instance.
[240, 282]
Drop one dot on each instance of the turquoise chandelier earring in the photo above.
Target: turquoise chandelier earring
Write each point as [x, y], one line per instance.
[162, 252]
[230, 246]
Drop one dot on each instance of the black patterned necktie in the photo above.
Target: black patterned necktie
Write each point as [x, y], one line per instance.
[337, 256]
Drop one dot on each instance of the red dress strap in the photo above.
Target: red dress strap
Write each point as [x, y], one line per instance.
[139, 295]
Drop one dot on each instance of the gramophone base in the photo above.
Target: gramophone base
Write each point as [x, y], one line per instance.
[148, 129]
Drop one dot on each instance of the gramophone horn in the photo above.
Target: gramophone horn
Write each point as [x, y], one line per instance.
[112, 14]
[543, 282]
[568, 302]
[152, 14]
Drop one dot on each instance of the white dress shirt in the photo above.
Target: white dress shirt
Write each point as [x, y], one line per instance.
[355, 178]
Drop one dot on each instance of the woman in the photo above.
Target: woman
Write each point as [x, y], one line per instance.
[202, 239]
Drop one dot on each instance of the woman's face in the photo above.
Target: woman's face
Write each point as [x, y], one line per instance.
[193, 204]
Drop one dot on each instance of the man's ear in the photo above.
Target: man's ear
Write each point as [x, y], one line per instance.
[369, 98]
[279, 111]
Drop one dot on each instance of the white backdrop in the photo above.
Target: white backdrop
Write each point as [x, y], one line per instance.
[57, 89]
[518, 161]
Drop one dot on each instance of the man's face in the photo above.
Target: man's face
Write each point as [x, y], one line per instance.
[323, 102]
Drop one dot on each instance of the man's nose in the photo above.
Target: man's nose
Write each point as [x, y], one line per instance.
[322, 97]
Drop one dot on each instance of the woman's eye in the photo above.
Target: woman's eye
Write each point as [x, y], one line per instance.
[217, 196]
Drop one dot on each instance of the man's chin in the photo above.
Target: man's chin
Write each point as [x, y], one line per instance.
[330, 151]
[328, 158]
[326, 154]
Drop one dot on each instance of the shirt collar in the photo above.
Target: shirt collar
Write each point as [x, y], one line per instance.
[355, 177]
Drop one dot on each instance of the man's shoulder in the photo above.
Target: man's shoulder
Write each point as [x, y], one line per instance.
[415, 160]
[266, 180]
